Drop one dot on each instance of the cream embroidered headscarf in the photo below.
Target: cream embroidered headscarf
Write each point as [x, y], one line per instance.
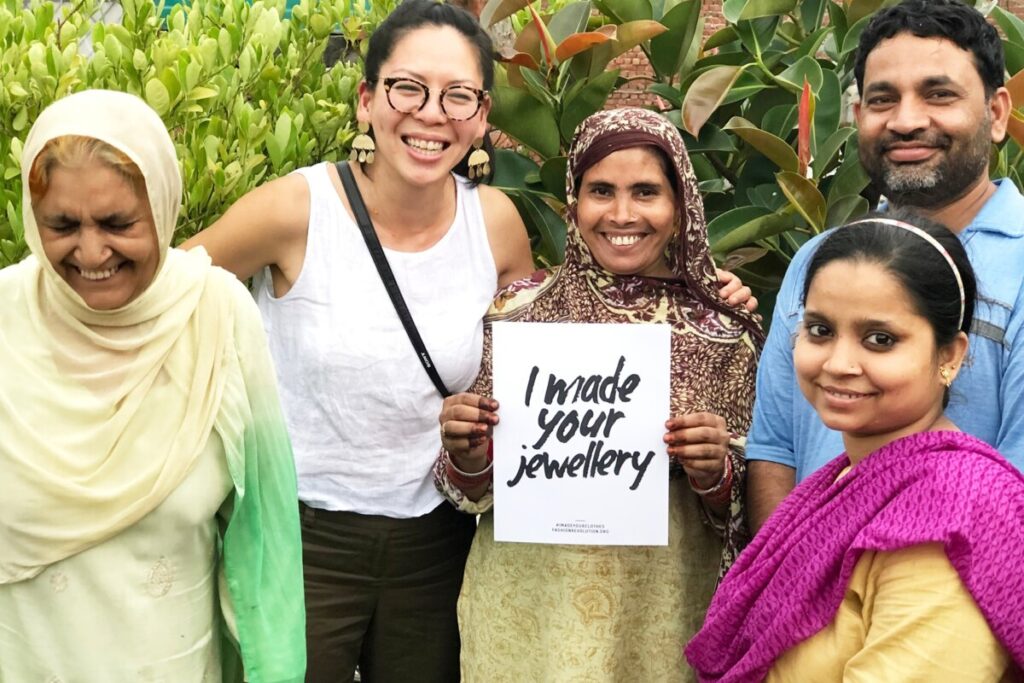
[103, 413]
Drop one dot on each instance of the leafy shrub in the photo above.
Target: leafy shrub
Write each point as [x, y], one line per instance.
[245, 94]
[762, 103]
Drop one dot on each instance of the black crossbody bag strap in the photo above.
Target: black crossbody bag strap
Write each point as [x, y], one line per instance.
[355, 200]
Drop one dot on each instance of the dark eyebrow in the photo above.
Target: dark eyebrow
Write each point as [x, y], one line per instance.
[930, 82]
[646, 186]
[815, 316]
[939, 82]
[416, 76]
[61, 219]
[116, 219]
[877, 87]
[872, 322]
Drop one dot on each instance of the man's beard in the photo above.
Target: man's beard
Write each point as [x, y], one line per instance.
[931, 184]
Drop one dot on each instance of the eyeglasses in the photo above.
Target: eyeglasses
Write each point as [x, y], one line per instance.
[458, 102]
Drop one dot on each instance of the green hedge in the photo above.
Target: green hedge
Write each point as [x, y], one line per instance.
[245, 93]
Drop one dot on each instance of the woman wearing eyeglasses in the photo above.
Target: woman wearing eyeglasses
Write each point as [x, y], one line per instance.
[383, 553]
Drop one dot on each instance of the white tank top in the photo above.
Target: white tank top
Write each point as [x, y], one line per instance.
[361, 410]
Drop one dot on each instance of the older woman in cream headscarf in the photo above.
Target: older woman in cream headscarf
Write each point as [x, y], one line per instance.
[148, 503]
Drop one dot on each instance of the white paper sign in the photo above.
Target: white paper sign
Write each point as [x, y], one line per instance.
[578, 453]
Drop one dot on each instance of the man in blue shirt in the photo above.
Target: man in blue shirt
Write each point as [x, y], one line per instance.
[930, 74]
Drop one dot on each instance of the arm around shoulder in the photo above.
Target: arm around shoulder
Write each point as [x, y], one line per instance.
[266, 227]
[507, 236]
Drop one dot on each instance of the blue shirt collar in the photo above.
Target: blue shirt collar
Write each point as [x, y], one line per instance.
[1002, 213]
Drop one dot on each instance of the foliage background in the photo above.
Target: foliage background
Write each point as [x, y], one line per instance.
[244, 92]
[763, 103]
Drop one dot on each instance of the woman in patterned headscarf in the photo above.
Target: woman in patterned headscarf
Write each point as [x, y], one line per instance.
[637, 251]
[148, 526]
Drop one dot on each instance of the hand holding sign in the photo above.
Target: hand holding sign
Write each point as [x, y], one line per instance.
[700, 443]
[579, 456]
[467, 421]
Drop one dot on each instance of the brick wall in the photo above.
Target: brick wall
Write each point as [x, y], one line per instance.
[634, 63]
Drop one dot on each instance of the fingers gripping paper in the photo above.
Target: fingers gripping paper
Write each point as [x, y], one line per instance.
[578, 455]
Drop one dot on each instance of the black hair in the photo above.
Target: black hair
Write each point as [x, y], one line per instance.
[949, 19]
[414, 14]
[920, 268]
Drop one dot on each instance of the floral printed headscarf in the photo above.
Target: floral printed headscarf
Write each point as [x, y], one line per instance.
[714, 346]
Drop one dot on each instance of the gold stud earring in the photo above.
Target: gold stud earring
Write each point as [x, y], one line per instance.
[947, 376]
[479, 160]
[363, 146]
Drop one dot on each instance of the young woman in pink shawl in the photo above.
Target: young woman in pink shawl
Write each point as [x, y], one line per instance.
[902, 559]
[637, 252]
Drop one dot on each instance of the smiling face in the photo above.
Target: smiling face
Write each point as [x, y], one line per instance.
[98, 233]
[627, 213]
[866, 359]
[424, 146]
[924, 123]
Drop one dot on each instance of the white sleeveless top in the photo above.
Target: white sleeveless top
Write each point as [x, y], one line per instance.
[361, 410]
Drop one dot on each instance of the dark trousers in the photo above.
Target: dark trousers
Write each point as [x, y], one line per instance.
[381, 593]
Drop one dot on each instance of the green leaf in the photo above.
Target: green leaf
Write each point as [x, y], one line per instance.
[862, 9]
[20, 119]
[720, 38]
[525, 118]
[753, 231]
[812, 43]
[552, 176]
[511, 169]
[157, 96]
[569, 20]
[546, 228]
[705, 94]
[780, 121]
[774, 148]
[667, 92]
[805, 67]
[739, 10]
[826, 152]
[283, 130]
[728, 221]
[590, 98]
[1012, 25]
[852, 37]
[621, 11]
[851, 178]
[17, 225]
[757, 34]
[711, 139]
[496, 10]
[1014, 53]
[805, 197]
[745, 87]
[670, 50]
[828, 108]
[201, 93]
[320, 25]
[812, 12]
[846, 209]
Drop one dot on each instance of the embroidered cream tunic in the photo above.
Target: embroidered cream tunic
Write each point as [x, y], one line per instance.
[141, 607]
[569, 613]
